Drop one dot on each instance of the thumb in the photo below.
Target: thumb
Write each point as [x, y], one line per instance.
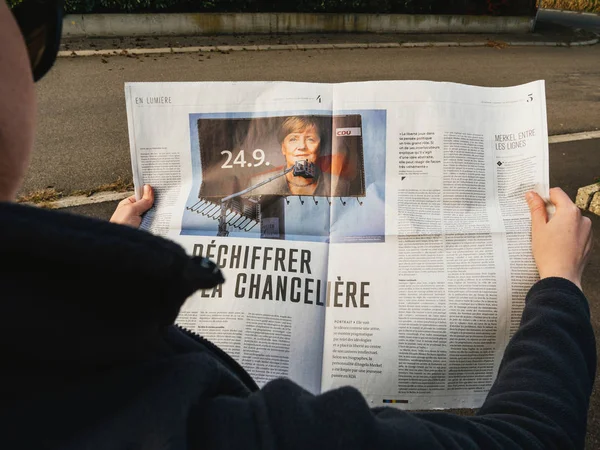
[537, 208]
[144, 203]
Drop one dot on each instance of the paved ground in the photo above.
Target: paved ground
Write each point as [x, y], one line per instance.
[589, 22]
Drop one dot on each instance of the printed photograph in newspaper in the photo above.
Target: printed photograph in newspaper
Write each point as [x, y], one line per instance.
[277, 176]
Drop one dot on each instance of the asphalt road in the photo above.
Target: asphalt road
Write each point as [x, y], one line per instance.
[82, 132]
[589, 22]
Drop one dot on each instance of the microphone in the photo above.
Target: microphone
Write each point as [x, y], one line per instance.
[304, 169]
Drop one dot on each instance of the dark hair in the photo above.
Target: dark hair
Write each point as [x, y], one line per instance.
[297, 124]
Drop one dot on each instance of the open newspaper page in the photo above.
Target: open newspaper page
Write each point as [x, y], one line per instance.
[243, 175]
[419, 317]
[371, 234]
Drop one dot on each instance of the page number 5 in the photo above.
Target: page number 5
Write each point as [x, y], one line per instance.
[529, 98]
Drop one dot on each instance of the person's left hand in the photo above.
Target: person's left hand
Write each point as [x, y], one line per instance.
[129, 211]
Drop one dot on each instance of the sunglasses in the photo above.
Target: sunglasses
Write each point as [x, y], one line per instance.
[40, 22]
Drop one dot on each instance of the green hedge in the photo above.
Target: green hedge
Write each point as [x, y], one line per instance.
[490, 7]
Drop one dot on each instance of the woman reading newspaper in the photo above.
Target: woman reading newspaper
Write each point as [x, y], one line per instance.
[92, 359]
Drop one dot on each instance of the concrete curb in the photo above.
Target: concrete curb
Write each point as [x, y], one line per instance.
[81, 200]
[588, 198]
[558, 138]
[194, 24]
[236, 48]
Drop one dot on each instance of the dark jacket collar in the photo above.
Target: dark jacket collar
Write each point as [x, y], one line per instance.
[67, 279]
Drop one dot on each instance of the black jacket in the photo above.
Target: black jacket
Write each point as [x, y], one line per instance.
[91, 360]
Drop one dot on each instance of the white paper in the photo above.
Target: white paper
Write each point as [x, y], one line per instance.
[371, 234]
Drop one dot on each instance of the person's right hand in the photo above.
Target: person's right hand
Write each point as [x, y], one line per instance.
[561, 245]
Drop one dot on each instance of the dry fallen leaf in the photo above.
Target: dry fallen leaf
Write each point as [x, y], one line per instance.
[496, 44]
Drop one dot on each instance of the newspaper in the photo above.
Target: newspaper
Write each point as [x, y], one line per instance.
[371, 234]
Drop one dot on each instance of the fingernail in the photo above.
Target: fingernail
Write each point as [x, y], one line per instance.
[146, 188]
[529, 196]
